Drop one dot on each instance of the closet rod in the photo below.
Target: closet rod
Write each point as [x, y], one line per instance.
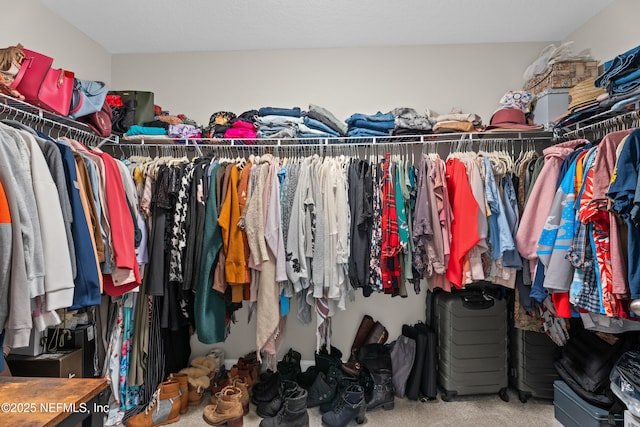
[620, 122]
[342, 142]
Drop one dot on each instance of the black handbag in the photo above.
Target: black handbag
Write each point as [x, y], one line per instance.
[142, 104]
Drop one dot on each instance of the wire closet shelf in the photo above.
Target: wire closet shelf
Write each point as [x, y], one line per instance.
[600, 125]
[50, 123]
[457, 140]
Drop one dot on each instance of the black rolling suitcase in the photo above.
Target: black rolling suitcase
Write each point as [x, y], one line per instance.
[472, 332]
[532, 356]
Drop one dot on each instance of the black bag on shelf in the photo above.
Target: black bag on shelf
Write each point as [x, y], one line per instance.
[142, 106]
[123, 117]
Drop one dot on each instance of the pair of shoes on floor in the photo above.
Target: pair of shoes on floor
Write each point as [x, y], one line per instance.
[198, 381]
[164, 407]
[289, 366]
[226, 408]
[349, 406]
[246, 371]
[289, 408]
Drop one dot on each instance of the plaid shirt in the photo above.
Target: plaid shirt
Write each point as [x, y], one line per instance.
[389, 265]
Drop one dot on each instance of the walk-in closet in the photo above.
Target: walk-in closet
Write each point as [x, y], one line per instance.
[319, 214]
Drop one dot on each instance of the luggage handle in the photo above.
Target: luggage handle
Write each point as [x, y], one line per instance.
[477, 302]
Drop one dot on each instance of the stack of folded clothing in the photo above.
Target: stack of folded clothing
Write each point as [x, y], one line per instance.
[275, 122]
[183, 131]
[621, 74]
[179, 126]
[242, 127]
[318, 122]
[219, 122]
[455, 121]
[362, 125]
[409, 122]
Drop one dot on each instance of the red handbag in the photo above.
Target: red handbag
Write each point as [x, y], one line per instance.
[56, 91]
[43, 86]
[100, 121]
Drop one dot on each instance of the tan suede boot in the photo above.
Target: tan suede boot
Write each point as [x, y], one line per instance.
[235, 391]
[183, 380]
[199, 381]
[163, 409]
[227, 409]
[243, 386]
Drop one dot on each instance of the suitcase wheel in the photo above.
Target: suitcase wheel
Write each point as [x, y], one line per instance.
[504, 394]
[446, 396]
[523, 396]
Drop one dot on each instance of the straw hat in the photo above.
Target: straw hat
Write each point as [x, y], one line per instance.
[583, 93]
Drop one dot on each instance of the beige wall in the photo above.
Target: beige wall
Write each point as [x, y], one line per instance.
[611, 32]
[37, 28]
[345, 81]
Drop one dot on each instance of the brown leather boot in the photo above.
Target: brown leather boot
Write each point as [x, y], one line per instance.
[183, 380]
[250, 363]
[361, 336]
[163, 409]
[233, 374]
[377, 335]
[227, 409]
[352, 366]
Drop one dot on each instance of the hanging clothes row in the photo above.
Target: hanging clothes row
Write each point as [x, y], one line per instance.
[579, 229]
[181, 243]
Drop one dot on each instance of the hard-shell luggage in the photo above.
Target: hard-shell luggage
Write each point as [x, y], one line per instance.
[472, 343]
[573, 411]
[532, 355]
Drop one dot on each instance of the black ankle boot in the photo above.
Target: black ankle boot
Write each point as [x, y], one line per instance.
[383, 393]
[343, 381]
[322, 391]
[350, 406]
[267, 388]
[289, 366]
[326, 359]
[293, 413]
[307, 378]
[272, 407]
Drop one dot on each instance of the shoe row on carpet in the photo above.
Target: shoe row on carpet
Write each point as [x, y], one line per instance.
[343, 391]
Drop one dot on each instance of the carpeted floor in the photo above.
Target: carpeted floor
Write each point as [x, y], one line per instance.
[472, 411]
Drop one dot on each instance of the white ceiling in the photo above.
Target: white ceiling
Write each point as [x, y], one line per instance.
[153, 26]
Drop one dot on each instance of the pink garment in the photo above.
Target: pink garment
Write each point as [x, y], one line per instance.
[604, 164]
[240, 133]
[539, 203]
[446, 218]
[241, 129]
[618, 260]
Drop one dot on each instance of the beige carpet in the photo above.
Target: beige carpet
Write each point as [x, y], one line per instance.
[472, 411]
